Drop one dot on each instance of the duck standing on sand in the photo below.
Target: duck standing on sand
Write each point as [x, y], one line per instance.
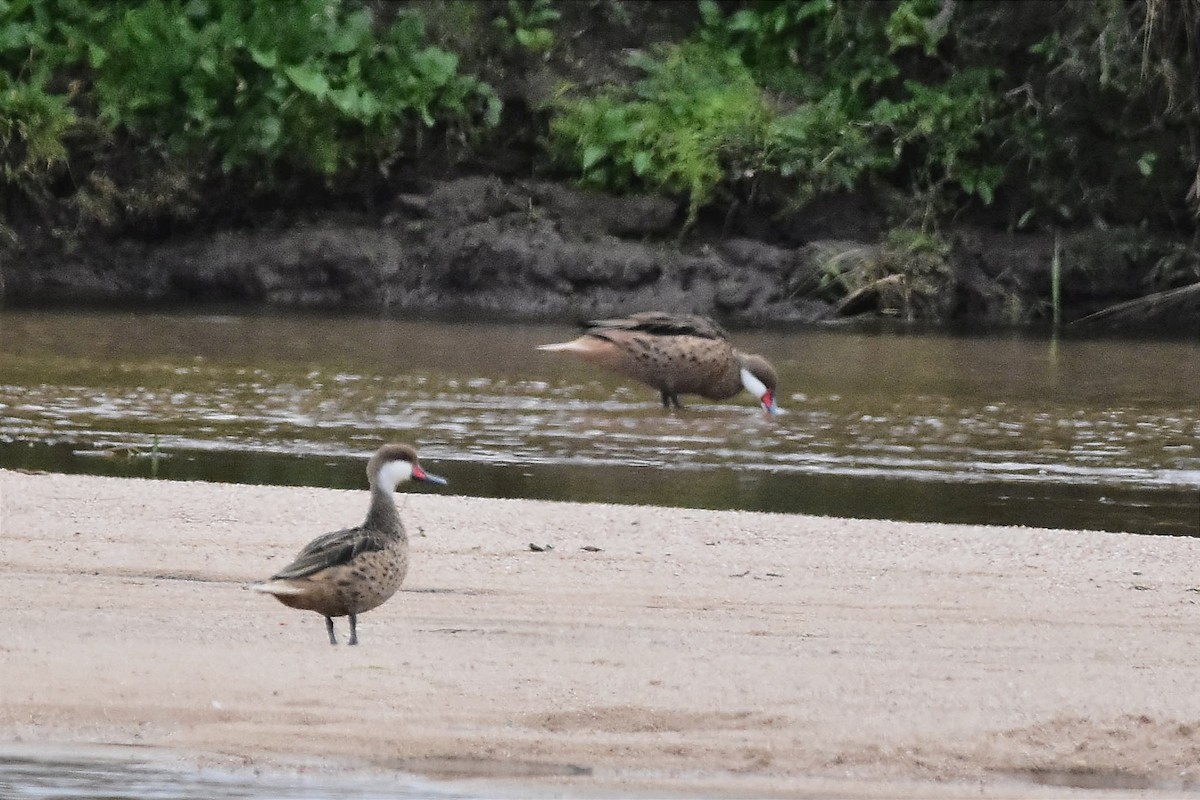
[675, 354]
[350, 571]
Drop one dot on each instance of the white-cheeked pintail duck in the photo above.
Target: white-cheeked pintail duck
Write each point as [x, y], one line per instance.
[675, 354]
[350, 571]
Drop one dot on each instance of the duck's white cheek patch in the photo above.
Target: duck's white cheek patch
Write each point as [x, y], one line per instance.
[395, 473]
[753, 385]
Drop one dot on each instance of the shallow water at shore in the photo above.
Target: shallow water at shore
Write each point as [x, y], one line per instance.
[1002, 429]
[87, 775]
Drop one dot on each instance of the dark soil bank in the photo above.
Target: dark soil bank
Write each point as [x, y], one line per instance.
[530, 249]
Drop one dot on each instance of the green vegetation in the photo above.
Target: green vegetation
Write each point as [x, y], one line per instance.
[33, 129]
[846, 92]
[315, 85]
[36, 117]
[694, 121]
[216, 86]
[529, 23]
[808, 90]
[1029, 117]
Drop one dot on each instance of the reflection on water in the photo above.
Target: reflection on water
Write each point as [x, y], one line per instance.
[93, 778]
[1001, 429]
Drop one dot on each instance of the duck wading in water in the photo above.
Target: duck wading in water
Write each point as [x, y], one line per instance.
[350, 571]
[675, 354]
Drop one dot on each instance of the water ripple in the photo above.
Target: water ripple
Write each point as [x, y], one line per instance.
[954, 444]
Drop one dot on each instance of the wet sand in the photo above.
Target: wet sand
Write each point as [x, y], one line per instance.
[644, 651]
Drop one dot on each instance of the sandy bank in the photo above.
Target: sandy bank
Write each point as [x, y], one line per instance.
[649, 650]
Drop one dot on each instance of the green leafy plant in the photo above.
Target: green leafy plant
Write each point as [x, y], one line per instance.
[42, 44]
[33, 128]
[856, 114]
[256, 83]
[37, 40]
[945, 129]
[1103, 122]
[530, 22]
[822, 148]
[695, 120]
[144, 98]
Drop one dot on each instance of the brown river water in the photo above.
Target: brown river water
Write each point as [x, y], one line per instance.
[1000, 428]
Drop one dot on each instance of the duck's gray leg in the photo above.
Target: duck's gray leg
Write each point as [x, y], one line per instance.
[329, 628]
[669, 399]
[353, 629]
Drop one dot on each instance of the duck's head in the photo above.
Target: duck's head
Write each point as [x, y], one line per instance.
[760, 380]
[393, 464]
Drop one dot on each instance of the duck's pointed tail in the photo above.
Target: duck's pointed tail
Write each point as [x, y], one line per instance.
[278, 588]
[580, 345]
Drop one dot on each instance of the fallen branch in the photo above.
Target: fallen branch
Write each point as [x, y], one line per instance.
[1153, 308]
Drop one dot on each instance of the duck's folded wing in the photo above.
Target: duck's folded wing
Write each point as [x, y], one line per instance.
[659, 323]
[330, 550]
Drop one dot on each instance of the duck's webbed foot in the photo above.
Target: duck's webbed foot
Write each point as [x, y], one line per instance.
[670, 399]
[329, 629]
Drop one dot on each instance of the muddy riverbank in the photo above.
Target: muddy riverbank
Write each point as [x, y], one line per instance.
[541, 250]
